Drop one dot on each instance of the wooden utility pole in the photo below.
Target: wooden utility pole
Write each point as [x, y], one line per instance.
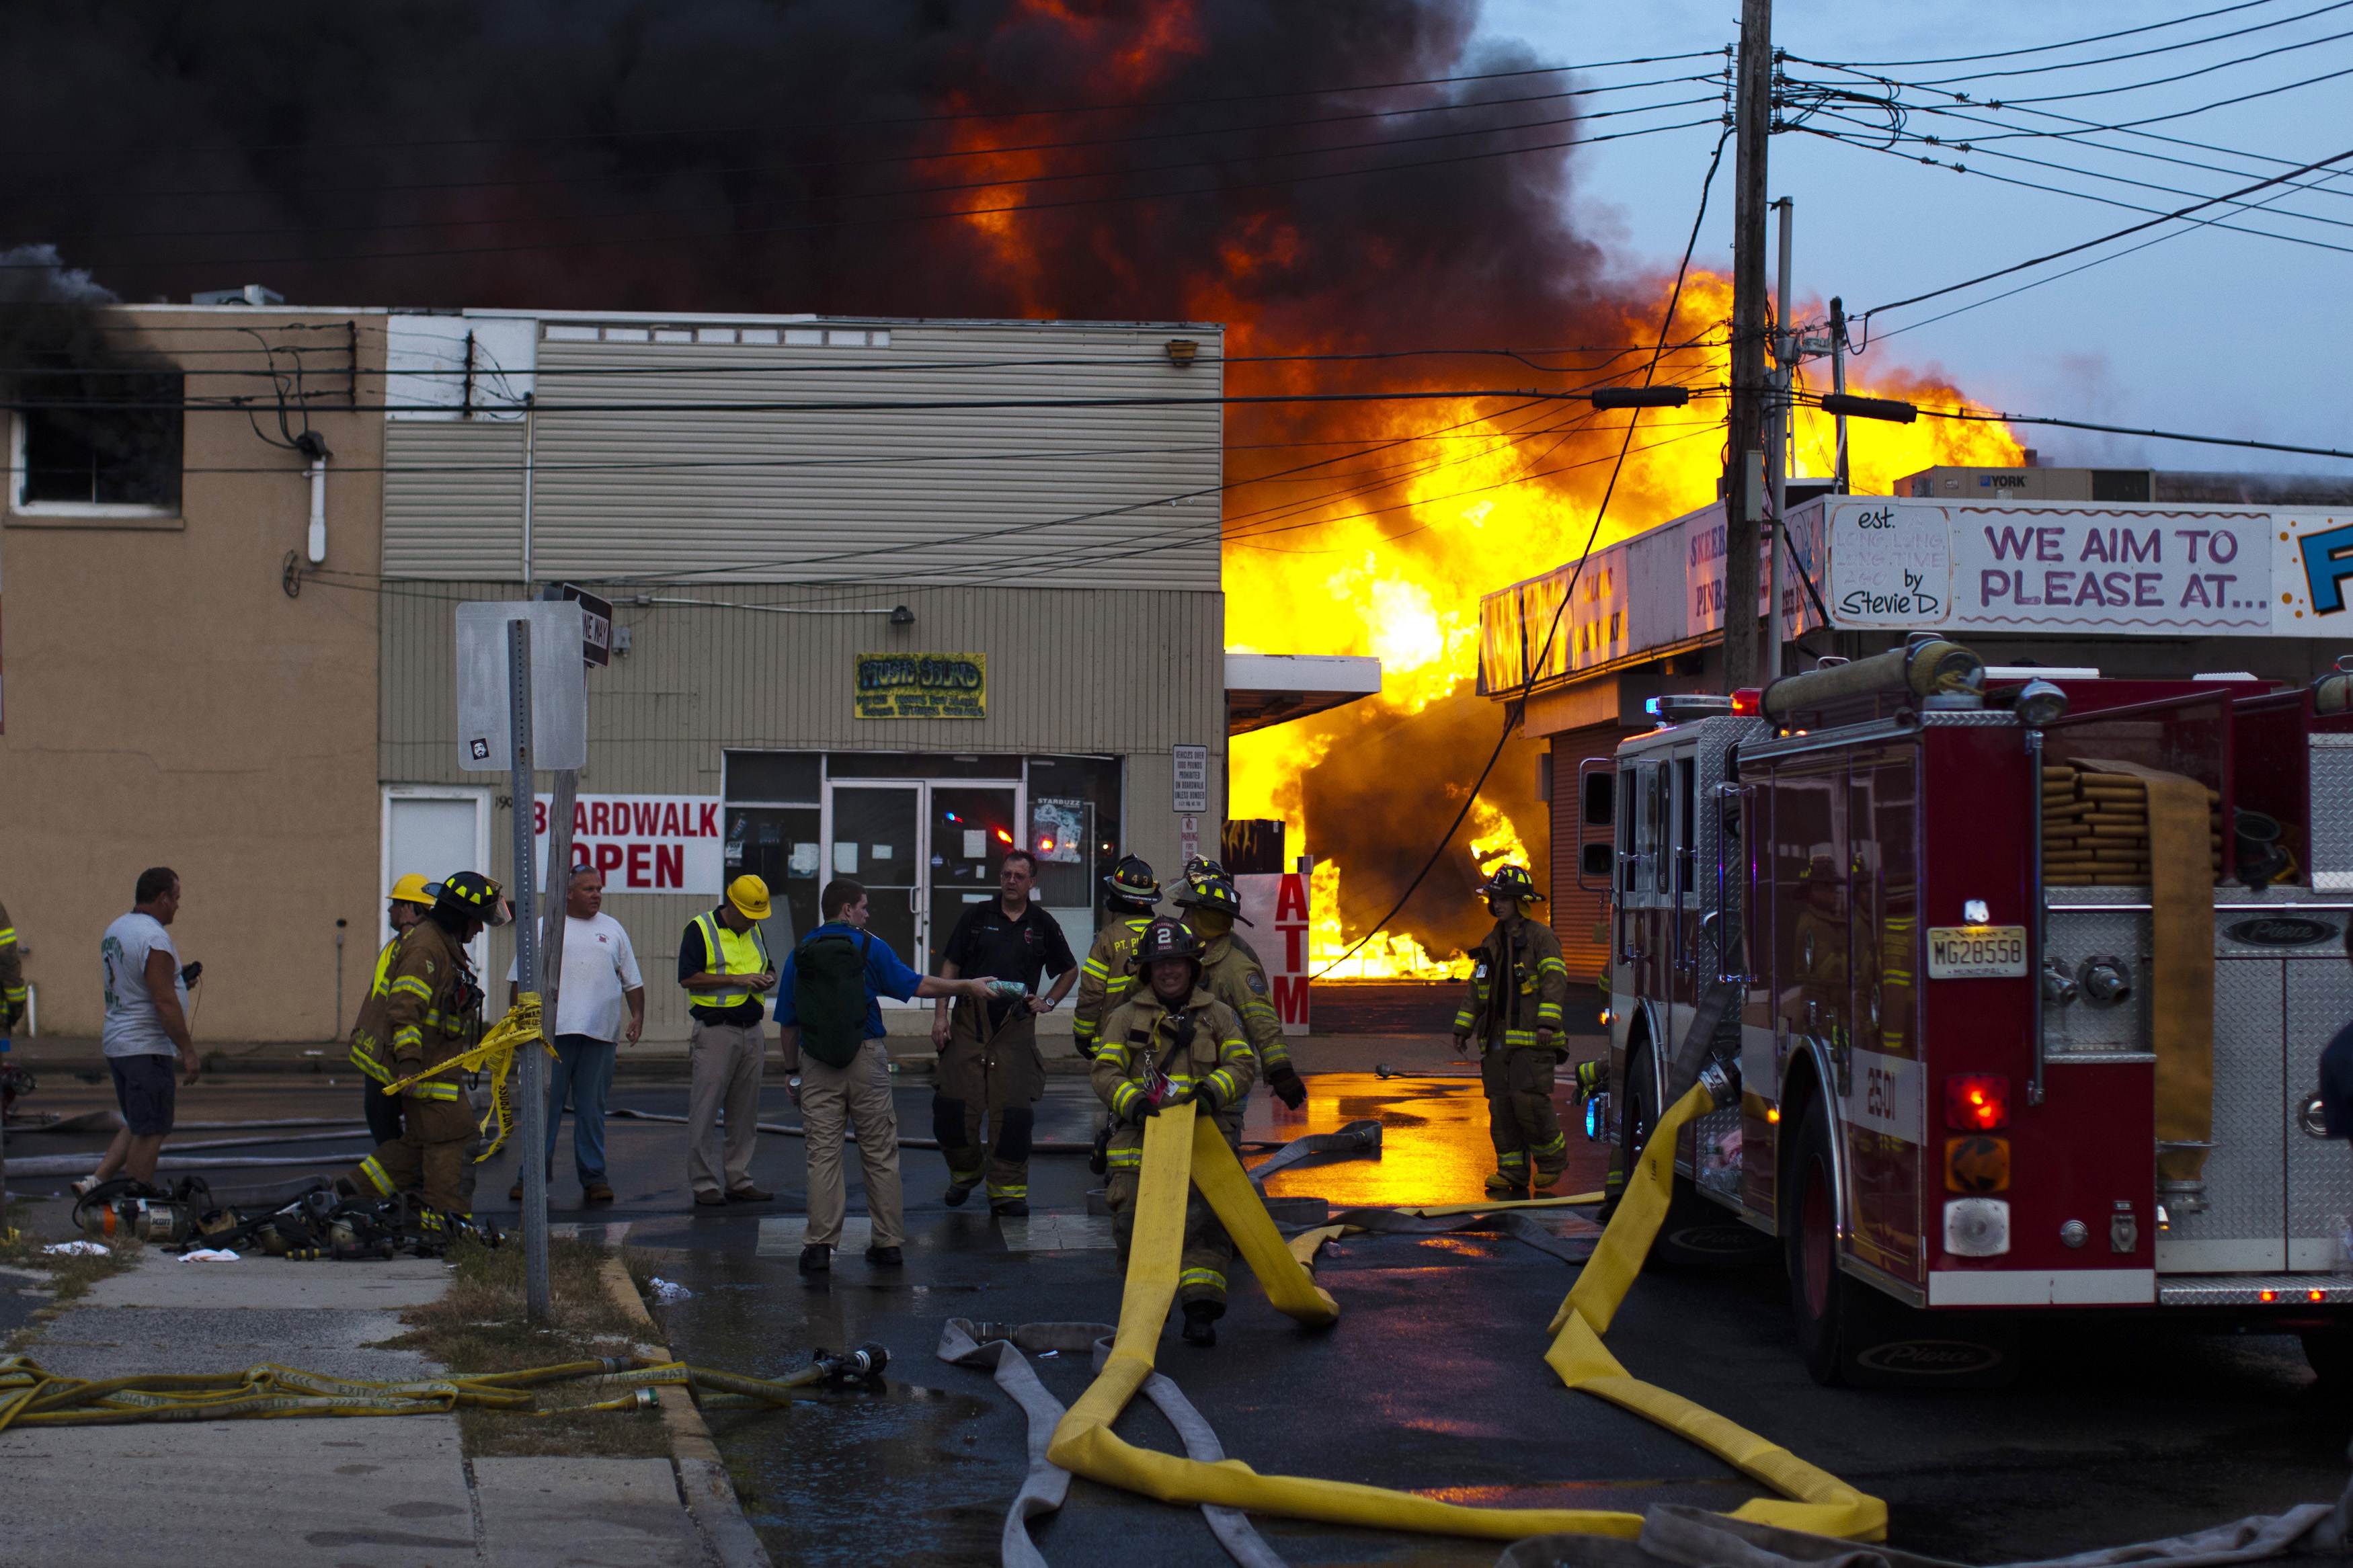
[1745, 443]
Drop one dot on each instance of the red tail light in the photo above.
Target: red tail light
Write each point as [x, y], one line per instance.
[1976, 1102]
[1748, 701]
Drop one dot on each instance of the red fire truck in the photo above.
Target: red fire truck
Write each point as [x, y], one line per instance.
[1997, 1016]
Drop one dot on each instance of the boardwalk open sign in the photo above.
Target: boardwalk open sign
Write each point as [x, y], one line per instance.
[642, 843]
[922, 686]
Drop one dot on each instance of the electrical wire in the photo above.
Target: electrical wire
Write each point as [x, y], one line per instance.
[2102, 239]
[1527, 684]
[1008, 182]
[2041, 48]
[769, 128]
[2168, 81]
[1983, 416]
[1014, 209]
[2141, 54]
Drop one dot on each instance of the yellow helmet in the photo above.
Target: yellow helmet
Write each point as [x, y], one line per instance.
[411, 889]
[749, 894]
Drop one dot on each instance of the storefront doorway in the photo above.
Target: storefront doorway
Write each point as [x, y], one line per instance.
[925, 848]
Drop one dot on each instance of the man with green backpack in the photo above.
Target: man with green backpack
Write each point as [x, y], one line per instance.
[832, 1031]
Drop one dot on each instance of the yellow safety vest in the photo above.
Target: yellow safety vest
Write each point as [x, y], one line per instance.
[726, 952]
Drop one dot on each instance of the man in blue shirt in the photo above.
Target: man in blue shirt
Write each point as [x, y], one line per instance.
[858, 1091]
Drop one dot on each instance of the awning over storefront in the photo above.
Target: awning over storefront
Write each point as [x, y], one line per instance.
[1263, 688]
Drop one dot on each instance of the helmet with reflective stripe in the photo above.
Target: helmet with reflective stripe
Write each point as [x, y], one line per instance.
[1510, 882]
[1166, 938]
[1202, 865]
[1212, 892]
[1132, 880]
[470, 893]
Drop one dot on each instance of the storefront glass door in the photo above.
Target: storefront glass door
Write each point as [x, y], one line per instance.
[874, 834]
[972, 826]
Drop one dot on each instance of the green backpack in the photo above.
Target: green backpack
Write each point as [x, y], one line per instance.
[829, 995]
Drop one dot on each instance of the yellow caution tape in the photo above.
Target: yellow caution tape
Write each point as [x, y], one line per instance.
[1181, 1150]
[495, 1054]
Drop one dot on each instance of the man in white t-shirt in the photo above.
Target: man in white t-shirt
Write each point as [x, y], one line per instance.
[599, 981]
[146, 1025]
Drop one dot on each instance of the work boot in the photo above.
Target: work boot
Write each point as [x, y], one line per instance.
[958, 1189]
[1505, 1184]
[596, 1192]
[816, 1258]
[748, 1193]
[885, 1257]
[1549, 1179]
[514, 1194]
[1011, 1208]
[1201, 1322]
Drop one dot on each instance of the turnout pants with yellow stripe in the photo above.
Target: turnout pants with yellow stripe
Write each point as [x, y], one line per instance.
[985, 1085]
[1520, 1116]
[1208, 1250]
[433, 1154]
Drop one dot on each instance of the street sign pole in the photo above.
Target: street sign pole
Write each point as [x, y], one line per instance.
[534, 1062]
[552, 921]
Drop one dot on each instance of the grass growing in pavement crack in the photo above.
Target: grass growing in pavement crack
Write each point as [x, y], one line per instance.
[68, 1278]
[480, 1325]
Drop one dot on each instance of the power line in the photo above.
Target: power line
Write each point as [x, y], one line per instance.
[2102, 239]
[1527, 683]
[1979, 417]
[1012, 209]
[766, 127]
[896, 192]
[2044, 49]
[2141, 54]
[2183, 76]
[1246, 128]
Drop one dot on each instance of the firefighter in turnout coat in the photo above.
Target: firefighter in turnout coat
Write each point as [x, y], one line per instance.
[1231, 973]
[1109, 970]
[1511, 1006]
[425, 1014]
[1169, 1042]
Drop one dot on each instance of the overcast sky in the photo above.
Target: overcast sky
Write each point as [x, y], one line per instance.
[2214, 331]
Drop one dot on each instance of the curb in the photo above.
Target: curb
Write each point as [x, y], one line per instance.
[711, 1500]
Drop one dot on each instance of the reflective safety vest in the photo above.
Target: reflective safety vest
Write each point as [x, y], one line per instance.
[726, 952]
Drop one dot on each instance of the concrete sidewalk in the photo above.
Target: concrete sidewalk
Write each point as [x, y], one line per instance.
[396, 1492]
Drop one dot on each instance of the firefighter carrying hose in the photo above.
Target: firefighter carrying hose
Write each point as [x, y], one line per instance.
[1232, 973]
[426, 1010]
[1109, 970]
[1513, 1006]
[1169, 1042]
[405, 907]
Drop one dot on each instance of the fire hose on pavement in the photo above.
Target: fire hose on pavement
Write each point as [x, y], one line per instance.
[32, 1396]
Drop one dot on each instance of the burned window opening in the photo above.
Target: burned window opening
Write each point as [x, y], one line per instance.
[111, 442]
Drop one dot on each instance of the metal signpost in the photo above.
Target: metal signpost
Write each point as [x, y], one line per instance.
[522, 688]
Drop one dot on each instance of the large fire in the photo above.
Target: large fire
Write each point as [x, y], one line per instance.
[1490, 498]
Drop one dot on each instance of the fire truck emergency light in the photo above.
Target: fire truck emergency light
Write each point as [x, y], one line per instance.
[1748, 701]
[1976, 1102]
[1678, 706]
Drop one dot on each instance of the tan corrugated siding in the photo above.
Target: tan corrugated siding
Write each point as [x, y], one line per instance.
[452, 499]
[1061, 498]
[1107, 671]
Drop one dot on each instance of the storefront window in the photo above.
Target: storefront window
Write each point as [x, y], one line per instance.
[773, 817]
[1074, 830]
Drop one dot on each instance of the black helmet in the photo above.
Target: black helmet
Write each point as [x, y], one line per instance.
[1210, 892]
[1202, 865]
[1132, 879]
[1166, 937]
[471, 894]
[1510, 882]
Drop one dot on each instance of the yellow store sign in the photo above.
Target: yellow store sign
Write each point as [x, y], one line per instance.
[922, 686]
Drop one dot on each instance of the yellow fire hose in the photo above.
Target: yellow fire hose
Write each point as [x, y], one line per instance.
[1181, 1150]
[32, 1396]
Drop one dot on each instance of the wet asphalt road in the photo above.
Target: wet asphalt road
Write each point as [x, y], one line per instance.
[1432, 1379]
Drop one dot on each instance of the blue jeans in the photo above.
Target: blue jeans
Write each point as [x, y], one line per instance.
[583, 1069]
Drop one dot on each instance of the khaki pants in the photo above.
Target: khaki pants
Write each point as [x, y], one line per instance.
[724, 1062]
[986, 1085]
[1520, 1118]
[861, 1092]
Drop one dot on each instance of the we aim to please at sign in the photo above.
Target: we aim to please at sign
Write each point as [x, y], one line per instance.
[1900, 562]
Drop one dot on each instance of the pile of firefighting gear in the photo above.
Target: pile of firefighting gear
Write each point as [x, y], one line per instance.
[320, 1222]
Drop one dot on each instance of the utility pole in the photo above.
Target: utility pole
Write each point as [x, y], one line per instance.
[1745, 444]
[1785, 359]
[1837, 381]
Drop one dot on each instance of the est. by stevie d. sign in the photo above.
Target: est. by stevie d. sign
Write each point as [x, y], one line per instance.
[922, 686]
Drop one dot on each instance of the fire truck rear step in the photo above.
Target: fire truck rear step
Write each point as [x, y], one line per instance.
[2254, 1289]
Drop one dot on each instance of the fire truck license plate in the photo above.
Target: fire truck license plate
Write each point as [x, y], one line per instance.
[1975, 952]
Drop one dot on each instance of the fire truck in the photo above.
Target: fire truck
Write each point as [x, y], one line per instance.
[2010, 986]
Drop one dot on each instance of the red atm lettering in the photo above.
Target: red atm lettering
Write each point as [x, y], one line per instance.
[1291, 998]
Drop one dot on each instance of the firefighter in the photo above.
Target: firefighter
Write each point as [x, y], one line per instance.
[1198, 867]
[1233, 975]
[426, 1012]
[1110, 967]
[12, 976]
[1512, 1003]
[405, 907]
[1169, 1042]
